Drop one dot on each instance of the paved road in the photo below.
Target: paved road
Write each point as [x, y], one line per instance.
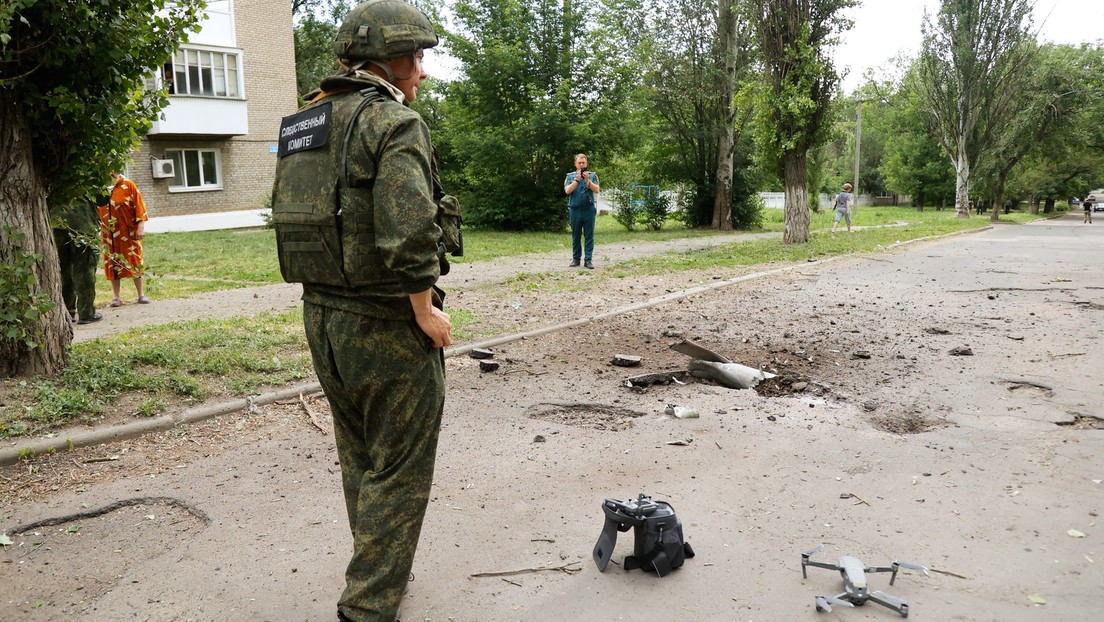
[993, 496]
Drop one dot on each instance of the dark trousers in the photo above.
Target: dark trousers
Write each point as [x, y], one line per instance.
[78, 260]
[386, 388]
[582, 226]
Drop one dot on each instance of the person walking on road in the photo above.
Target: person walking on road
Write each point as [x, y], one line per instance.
[843, 207]
[1087, 206]
[580, 188]
[367, 256]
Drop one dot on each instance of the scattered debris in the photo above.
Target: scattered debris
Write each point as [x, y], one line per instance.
[682, 412]
[479, 353]
[870, 406]
[949, 573]
[961, 351]
[626, 360]
[1038, 600]
[936, 330]
[695, 351]
[101, 459]
[681, 442]
[1076, 534]
[566, 568]
[860, 354]
[858, 500]
[647, 380]
[1015, 337]
[310, 413]
[538, 438]
[488, 366]
[732, 375]
[709, 365]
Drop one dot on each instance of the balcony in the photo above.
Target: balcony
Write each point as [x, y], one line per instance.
[202, 116]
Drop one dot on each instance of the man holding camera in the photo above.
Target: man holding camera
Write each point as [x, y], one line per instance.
[580, 188]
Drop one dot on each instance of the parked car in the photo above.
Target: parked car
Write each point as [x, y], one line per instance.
[1097, 205]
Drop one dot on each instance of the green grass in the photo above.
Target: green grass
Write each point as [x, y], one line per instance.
[154, 367]
[149, 370]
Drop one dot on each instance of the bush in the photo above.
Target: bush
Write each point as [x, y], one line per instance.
[655, 210]
[627, 213]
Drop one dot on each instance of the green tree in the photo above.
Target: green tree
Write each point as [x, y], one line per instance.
[696, 63]
[968, 68]
[73, 104]
[914, 164]
[534, 92]
[796, 98]
[314, 34]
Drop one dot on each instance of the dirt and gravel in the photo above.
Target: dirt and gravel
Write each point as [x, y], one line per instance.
[937, 403]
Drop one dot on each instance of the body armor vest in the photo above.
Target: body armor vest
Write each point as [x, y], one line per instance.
[324, 228]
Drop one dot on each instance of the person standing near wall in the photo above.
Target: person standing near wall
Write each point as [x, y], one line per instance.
[123, 226]
[581, 187]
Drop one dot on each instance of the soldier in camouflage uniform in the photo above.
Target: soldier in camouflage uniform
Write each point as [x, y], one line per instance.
[77, 235]
[367, 255]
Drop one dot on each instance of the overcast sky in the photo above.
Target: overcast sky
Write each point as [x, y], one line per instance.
[885, 28]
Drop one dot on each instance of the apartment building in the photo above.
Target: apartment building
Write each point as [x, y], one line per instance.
[213, 149]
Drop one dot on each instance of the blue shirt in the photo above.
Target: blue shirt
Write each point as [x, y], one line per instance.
[581, 197]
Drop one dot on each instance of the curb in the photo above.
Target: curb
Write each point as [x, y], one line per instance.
[11, 455]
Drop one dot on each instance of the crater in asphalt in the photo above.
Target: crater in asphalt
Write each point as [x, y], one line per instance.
[912, 420]
[595, 416]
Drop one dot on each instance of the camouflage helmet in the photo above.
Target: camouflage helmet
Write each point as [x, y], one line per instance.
[380, 29]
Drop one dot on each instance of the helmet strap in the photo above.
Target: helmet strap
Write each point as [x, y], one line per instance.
[386, 68]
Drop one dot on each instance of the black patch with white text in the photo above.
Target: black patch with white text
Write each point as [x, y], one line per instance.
[305, 130]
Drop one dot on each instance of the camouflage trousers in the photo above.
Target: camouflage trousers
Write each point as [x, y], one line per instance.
[78, 274]
[386, 388]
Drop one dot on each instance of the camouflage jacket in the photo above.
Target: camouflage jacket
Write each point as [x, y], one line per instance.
[389, 164]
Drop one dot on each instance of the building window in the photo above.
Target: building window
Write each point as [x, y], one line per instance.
[194, 169]
[202, 73]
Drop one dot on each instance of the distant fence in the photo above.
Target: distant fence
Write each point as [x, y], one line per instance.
[777, 200]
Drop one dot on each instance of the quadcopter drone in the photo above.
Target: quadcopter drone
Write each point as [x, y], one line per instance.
[855, 591]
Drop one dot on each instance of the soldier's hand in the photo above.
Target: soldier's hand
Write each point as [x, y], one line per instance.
[437, 325]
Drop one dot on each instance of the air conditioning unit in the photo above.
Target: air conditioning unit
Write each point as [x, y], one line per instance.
[163, 169]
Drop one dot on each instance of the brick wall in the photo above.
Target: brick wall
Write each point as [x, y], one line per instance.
[264, 33]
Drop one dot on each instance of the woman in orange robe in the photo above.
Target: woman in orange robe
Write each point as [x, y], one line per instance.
[122, 227]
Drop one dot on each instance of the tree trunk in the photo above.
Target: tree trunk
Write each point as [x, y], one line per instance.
[1048, 207]
[796, 228]
[1002, 176]
[962, 184]
[1033, 207]
[23, 210]
[726, 30]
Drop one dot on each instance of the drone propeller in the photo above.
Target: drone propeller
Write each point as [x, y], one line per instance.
[912, 566]
[824, 603]
[812, 550]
